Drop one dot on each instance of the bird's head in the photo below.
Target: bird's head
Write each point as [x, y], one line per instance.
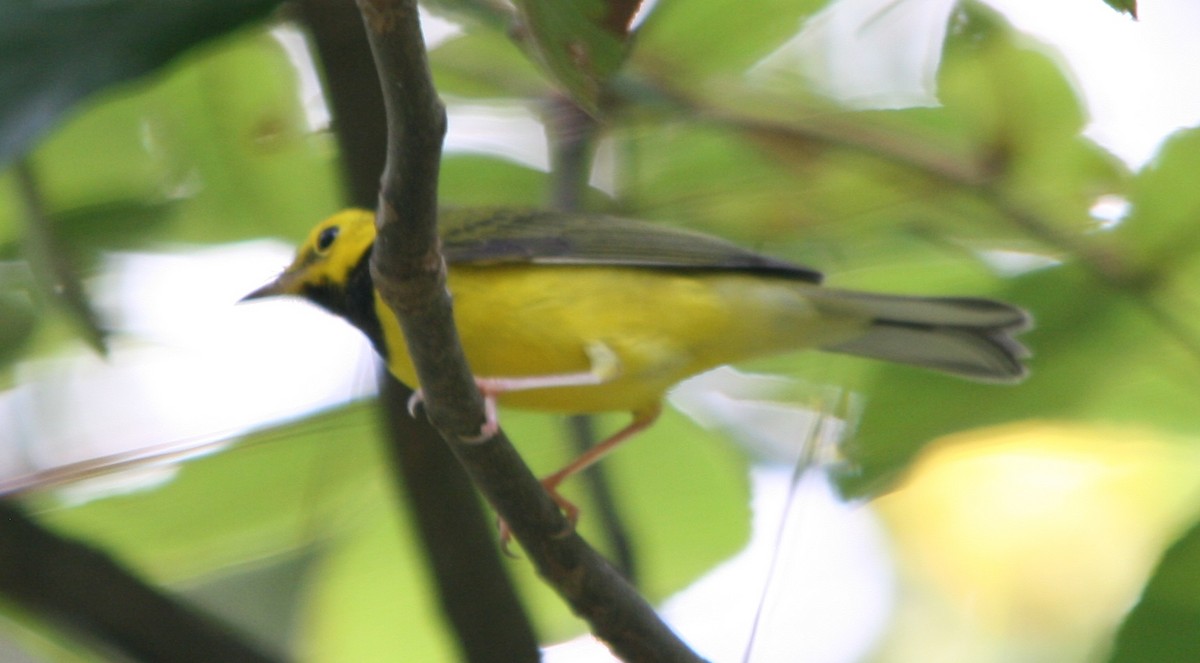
[325, 261]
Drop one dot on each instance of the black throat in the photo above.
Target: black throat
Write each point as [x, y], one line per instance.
[354, 300]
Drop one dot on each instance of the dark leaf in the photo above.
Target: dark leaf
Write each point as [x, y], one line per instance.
[52, 55]
[1162, 628]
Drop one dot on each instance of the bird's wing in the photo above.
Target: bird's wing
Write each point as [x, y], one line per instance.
[495, 236]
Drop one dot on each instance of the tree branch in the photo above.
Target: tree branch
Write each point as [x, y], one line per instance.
[410, 273]
[474, 591]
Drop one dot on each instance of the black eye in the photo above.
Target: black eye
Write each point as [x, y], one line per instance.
[325, 239]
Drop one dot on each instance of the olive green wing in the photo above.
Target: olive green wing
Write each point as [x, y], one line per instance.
[496, 236]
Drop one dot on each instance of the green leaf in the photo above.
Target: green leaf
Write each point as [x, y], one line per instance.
[55, 266]
[666, 481]
[1160, 229]
[1124, 6]
[581, 43]
[1099, 355]
[1162, 628]
[486, 64]
[273, 492]
[477, 180]
[973, 170]
[663, 481]
[52, 55]
[218, 150]
[1023, 119]
[18, 320]
[470, 179]
[776, 181]
[368, 598]
[497, 16]
[689, 41]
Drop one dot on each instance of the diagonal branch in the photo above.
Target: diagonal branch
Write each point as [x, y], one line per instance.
[476, 596]
[410, 274]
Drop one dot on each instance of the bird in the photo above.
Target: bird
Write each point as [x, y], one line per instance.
[587, 313]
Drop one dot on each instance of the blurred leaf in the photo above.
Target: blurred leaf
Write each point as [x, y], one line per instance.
[18, 321]
[273, 492]
[54, 264]
[672, 478]
[1124, 6]
[476, 180]
[663, 482]
[1038, 158]
[1160, 229]
[581, 43]
[120, 224]
[1098, 355]
[486, 64]
[969, 171]
[218, 150]
[762, 182]
[689, 41]
[52, 55]
[496, 15]
[1162, 627]
[1060, 520]
[471, 179]
[376, 565]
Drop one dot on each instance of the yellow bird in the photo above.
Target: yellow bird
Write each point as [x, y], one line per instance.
[580, 313]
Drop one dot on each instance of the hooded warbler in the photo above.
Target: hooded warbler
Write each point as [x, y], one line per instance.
[580, 313]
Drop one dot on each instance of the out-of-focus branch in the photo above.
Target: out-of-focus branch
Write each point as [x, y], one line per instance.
[475, 592]
[73, 584]
[571, 133]
[352, 90]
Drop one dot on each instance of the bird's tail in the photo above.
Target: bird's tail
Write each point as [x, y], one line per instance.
[971, 338]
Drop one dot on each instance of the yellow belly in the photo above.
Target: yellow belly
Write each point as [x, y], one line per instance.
[661, 326]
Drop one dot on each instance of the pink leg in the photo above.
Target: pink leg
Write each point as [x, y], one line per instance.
[641, 421]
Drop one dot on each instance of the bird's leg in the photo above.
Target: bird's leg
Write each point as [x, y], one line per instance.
[605, 365]
[641, 421]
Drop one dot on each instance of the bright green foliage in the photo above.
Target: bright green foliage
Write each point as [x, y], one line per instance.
[218, 147]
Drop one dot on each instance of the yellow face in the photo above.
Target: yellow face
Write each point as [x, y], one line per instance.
[332, 249]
